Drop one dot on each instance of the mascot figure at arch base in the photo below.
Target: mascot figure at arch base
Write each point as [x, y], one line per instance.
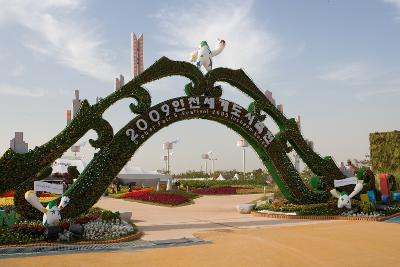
[203, 55]
[51, 214]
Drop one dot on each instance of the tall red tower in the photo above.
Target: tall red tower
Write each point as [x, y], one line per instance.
[137, 54]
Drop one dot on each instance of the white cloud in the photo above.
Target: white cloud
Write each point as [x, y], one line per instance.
[61, 34]
[379, 92]
[396, 4]
[12, 90]
[346, 72]
[248, 46]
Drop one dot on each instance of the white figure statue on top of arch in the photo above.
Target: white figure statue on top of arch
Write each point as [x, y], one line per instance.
[203, 55]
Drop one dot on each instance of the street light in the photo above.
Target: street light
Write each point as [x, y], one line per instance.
[243, 144]
[212, 161]
[165, 159]
[169, 146]
[206, 157]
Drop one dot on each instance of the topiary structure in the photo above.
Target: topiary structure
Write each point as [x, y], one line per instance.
[202, 101]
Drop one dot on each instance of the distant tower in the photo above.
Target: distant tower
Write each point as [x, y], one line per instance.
[299, 122]
[119, 82]
[17, 144]
[76, 104]
[269, 96]
[137, 54]
[280, 107]
[68, 116]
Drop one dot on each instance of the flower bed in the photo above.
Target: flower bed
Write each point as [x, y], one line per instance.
[167, 198]
[97, 224]
[216, 191]
[7, 194]
[324, 211]
[100, 229]
[12, 193]
[9, 201]
[136, 194]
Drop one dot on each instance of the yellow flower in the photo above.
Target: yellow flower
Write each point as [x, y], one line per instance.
[9, 201]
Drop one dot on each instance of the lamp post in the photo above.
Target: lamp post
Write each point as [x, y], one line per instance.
[243, 144]
[206, 157]
[212, 164]
[165, 159]
[209, 153]
[168, 146]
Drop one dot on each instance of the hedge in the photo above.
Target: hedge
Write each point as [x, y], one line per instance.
[385, 152]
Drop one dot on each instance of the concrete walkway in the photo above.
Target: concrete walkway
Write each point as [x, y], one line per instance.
[208, 212]
[336, 244]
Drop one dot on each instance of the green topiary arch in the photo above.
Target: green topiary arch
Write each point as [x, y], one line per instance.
[203, 101]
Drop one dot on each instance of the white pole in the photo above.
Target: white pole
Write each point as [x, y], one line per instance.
[212, 166]
[244, 163]
[168, 161]
[206, 168]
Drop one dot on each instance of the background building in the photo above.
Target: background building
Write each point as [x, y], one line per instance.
[76, 104]
[137, 54]
[17, 144]
[119, 82]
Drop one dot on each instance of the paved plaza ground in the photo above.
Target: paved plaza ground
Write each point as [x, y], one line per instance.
[208, 212]
[214, 219]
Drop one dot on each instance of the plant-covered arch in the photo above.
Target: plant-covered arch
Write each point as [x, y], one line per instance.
[19, 170]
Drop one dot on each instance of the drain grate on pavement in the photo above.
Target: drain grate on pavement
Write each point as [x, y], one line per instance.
[70, 249]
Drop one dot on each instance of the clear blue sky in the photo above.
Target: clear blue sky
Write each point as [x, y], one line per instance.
[335, 63]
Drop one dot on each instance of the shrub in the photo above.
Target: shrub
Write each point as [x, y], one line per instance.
[215, 191]
[108, 215]
[216, 183]
[328, 208]
[366, 207]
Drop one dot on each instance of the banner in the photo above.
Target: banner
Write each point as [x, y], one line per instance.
[347, 181]
[48, 187]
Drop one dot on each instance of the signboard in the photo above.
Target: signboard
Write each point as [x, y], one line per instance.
[182, 108]
[48, 187]
[347, 181]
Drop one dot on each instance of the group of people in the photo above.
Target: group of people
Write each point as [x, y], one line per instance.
[350, 170]
[115, 186]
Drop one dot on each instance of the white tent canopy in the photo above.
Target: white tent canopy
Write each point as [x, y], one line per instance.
[61, 165]
[235, 177]
[220, 178]
[131, 174]
[128, 174]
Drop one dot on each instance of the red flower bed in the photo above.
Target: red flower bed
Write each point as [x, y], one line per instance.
[169, 199]
[45, 194]
[8, 194]
[215, 191]
[150, 196]
[135, 194]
